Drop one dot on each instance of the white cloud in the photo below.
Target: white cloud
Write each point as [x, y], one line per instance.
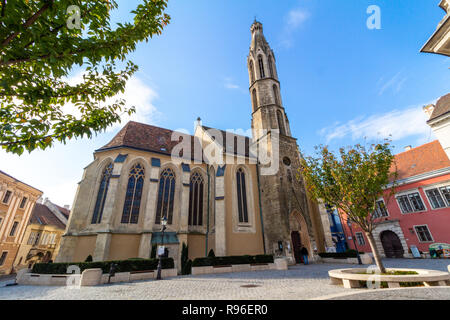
[296, 17]
[293, 20]
[396, 124]
[395, 83]
[57, 170]
[229, 84]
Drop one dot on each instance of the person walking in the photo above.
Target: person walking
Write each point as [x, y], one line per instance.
[304, 253]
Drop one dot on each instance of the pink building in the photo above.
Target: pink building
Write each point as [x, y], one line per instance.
[419, 213]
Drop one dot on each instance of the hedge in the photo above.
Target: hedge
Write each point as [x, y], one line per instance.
[121, 266]
[225, 261]
[339, 255]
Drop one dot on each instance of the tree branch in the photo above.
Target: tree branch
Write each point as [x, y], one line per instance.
[28, 23]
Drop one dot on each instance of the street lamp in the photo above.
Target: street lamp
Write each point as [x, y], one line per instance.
[163, 224]
[349, 223]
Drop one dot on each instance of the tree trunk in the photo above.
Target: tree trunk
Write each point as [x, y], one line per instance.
[376, 254]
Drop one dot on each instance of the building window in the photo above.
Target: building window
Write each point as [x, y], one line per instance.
[380, 209]
[23, 202]
[423, 233]
[31, 238]
[272, 74]
[446, 193]
[1, 220]
[360, 239]
[261, 67]
[196, 200]
[252, 72]
[3, 257]
[101, 195]
[166, 195]
[281, 123]
[410, 203]
[241, 196]
[36, 240]
[13, 229]
[255, 100]
[7, 197]
[276, 95]
[435, 198]
[133, 195]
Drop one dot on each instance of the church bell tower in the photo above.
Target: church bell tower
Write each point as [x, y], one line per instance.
[289, 217]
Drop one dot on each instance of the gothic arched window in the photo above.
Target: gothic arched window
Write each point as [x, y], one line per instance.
[261, 67]
[281, 122]
[166, 195]
[275, 94]
[252, 72]
[255, 100]
[241, 196]
[134, 194]
[196, 200]
[101, 195]
[272, 73]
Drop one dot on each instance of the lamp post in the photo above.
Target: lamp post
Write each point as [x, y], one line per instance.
[163, 224]
[349, 223]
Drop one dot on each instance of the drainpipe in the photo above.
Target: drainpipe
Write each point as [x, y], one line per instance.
[207, 214]
[260, 207]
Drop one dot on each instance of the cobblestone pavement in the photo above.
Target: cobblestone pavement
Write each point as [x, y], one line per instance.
[299, 282]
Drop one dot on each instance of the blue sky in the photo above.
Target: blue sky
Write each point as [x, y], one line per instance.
[340, 81]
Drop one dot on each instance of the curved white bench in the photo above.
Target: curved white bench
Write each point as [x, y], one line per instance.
[351, 278]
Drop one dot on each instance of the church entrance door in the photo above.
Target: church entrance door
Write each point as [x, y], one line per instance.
[297, 245]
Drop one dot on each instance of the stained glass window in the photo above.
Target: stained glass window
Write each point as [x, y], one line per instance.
[166, 195]
[241, 196]
[196, 188]
[101, 195]
[133, 195]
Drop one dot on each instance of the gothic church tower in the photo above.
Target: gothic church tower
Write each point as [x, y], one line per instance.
[290, 219]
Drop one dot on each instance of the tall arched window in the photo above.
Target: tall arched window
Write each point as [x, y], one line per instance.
[272, 73]
[101, 195]
[255, 100]
[252, 72]
[261, 67]
[166, 195]
[281, 122]
[196, 188]
[275, 94]
[134, 194]
[241, 196]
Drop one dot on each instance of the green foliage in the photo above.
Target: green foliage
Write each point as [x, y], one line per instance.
[39, 50]
[211, 253]
[153, 253]
[185, 269]
[129, 265]
[352, 181]
[88, 259]
[230, 260]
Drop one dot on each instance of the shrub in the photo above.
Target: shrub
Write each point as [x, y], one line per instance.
[211, 253]
[88, 259]
[225, 261]
[187, 268]
[153, 253]
[121, 266]
[184, 259]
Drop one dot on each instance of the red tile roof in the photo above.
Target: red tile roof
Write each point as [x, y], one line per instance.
[422, 159]
[42, 215]
[442, 107]
[148, 138]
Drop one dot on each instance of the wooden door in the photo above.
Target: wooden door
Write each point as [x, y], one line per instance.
[391, 244]
[297, 245]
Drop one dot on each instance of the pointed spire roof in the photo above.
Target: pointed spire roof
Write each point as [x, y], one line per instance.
[258, 39]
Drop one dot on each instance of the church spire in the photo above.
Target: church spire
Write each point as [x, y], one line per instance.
[268, 112]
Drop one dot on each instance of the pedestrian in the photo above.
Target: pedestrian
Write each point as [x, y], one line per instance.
[304, 253]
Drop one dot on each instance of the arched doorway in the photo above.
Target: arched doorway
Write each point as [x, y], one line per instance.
[391, 244]
[299, 234]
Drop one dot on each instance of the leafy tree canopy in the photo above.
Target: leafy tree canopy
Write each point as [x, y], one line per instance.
[41, 42]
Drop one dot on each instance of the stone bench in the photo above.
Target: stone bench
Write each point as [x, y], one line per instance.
[351, 278]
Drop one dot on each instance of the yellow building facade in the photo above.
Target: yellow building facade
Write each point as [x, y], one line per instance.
[17, 201]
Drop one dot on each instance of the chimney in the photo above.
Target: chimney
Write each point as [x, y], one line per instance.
[428, 110]
[407, 148]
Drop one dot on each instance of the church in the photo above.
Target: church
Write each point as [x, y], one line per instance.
[214, 189]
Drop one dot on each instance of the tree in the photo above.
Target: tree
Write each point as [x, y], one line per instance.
[41, 43]
[89, 259]
[353, 182]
